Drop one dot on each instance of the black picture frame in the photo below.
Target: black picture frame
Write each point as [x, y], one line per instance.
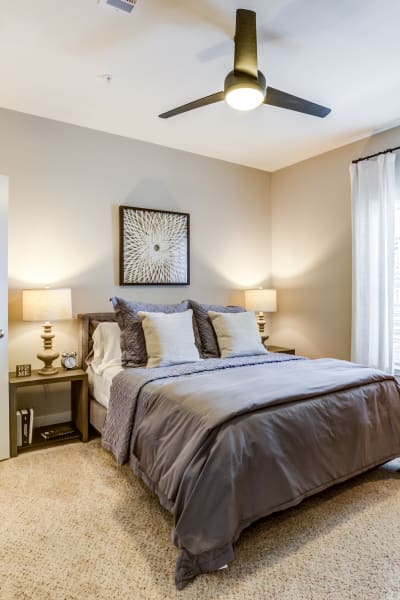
[154, 247]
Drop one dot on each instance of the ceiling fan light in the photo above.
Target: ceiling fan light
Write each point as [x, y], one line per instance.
[243, 91]
[244, 98]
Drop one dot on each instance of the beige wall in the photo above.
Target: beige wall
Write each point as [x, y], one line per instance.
[311, 249]
[66, 183]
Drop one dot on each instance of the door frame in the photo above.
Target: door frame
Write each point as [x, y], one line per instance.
[4, 404]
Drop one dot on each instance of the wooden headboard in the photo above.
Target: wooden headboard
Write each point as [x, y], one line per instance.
[87, 324]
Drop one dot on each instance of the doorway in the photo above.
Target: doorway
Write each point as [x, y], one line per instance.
[4, 416]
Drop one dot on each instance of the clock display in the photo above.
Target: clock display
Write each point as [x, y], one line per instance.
[69, 360]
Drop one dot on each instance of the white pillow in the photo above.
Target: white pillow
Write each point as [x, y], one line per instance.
[237, 334]
[169, 338]
[106, 347]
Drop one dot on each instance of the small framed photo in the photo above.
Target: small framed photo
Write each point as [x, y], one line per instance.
[154, 247]
[23, 370]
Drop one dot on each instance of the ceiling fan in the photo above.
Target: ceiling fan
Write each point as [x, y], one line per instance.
[245, 87]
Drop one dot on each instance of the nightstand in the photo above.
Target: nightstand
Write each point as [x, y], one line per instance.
[79, 407]
[280, 349]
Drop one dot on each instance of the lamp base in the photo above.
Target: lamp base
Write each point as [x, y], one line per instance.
[261, 322]
[48, 371]
[47, 355]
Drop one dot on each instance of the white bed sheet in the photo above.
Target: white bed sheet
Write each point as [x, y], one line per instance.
[100, 385]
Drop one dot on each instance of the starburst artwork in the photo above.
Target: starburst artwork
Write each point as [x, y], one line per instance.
[154, 247]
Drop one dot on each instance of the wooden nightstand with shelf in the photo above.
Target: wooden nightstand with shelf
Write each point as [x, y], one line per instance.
[79, 407]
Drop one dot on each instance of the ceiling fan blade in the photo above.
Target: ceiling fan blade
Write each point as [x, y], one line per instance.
[224, 48]
[217, 97]
[246, 42]
[284, 100]
[217, 51]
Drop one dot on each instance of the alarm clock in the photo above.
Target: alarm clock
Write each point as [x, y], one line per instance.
[69, 360]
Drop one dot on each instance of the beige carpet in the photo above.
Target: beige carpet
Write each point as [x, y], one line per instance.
[73, 525]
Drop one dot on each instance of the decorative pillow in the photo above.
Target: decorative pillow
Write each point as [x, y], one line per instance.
[106, 347]
[207, 338]
[133, 346]
[237, 334]
[169, 338]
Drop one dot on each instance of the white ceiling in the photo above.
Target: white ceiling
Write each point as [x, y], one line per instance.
[340, 53]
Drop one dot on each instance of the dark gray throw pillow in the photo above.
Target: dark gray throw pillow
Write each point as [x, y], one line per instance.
[133, 344]
[208, 339]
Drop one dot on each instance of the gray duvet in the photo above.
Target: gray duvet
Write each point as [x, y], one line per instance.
[224, 442]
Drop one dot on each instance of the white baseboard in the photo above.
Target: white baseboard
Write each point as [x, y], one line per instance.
[43, 420]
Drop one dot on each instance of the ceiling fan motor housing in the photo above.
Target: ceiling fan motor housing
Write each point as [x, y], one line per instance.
[237, 80]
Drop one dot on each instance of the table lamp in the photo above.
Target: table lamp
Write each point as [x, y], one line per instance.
[47, 305]
[261, 301]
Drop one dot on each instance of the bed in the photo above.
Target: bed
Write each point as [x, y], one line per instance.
[87, 325]
[225, 442]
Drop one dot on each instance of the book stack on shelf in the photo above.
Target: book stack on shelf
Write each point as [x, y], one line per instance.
[24, 427]
[29, 438]
[59, 432]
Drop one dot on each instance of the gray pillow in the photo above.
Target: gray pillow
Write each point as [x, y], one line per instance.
[206, 334]
[133, 344]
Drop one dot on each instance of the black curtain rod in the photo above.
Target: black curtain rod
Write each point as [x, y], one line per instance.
[377, 154]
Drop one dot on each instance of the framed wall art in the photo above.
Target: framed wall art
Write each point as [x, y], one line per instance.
[154, 247]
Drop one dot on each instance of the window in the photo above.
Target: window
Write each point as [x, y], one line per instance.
[396, 333]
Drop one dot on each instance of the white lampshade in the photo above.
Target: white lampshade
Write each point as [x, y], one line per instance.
[261, 300]
[46, 304]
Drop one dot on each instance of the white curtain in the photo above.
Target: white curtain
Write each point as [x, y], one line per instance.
[374, 197]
